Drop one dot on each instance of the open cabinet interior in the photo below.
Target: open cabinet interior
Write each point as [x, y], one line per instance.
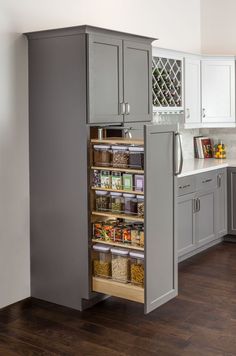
[117, 215]
[131, 190]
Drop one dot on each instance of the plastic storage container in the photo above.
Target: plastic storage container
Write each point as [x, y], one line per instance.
[101, 261]
[116, 202]
[136, 157]
[105, 179]
[102, 200]
[139, 182]
[120, 156]
[96, 178]
[137, 268]
[140, 208]
[104, 230]
[120, 265]
[128, 181]
[130, 204]
[116, 180]
[102, 155]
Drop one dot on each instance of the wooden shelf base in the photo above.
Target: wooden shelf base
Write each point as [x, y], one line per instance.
[117, 216]
[116, 289]
[118, 140]
[118, 244]
[118, 190]
[127, 170]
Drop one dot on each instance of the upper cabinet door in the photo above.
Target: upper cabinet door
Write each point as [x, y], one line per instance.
[160, 219]
[105, 79]
[192, 91]
[137, 81]
[218, 91]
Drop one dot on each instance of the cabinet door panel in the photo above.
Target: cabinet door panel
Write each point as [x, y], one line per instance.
[186, 224]
[221, 203]
[232, 201]
[137, 81]
[105, 79]
[218, 91]
[160, 235]
[205, 218]
[192, 91]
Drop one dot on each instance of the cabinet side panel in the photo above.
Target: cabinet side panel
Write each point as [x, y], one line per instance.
[58, 169]
[160, 229]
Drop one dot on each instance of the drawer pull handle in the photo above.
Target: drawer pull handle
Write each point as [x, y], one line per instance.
[207, 180]
[186, 186]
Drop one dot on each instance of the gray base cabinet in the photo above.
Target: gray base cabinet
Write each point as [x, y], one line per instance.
[202, 211]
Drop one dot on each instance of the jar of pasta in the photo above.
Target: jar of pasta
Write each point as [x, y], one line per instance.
[101, 261]
[120, 265]
[137, 268]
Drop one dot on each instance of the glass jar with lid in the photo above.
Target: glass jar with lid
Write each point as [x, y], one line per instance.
[130, 204]
[137, 268]
[101, 261]
[116, 202]
[136, 157]
[102, 200]
[105, 179]
[102, 155]
[120, 156]
[140, 206]
[120, 265]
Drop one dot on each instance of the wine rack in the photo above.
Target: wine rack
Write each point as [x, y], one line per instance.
[167, 83]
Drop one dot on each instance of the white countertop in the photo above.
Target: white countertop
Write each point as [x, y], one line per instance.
[194, 166]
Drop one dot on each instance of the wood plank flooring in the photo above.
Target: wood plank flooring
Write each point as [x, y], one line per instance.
[200, 321]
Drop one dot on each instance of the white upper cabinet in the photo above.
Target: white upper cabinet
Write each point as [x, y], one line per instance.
[218, 91]
[192, 91]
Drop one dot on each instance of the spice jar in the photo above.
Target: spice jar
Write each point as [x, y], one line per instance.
[120, 265]
[130, 204]
[140, 199]
[101, 261]
[120, 156]
[116, 180]
[105, 179]
[136, 157]
[102, 155]
[96, 178]
[102, 200]
[116, 202]
[137, 268]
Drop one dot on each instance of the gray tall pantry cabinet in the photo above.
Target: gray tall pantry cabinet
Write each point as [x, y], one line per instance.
[81, 78]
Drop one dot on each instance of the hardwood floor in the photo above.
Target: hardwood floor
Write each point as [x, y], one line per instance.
[200, 321]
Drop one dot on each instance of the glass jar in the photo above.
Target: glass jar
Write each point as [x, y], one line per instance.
[120, 265]
[118, 233]
[102, 155]
[140, 209]
[137, 268]
[102, 200]
[101, 261]
[104, 230]
[136, 157]
[105, 179]
[116, 180]
[96, 178]
[130, 204]
[139, 182]
[116, 202]
[120, 156]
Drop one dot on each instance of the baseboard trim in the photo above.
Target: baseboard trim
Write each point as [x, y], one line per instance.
[200, 249]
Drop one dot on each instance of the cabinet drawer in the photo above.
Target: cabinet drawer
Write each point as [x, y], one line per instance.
[205, 181]
[186, 185]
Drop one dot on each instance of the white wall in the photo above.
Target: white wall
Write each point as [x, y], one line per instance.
[218, 27]
[175, 23]
[14, 185]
